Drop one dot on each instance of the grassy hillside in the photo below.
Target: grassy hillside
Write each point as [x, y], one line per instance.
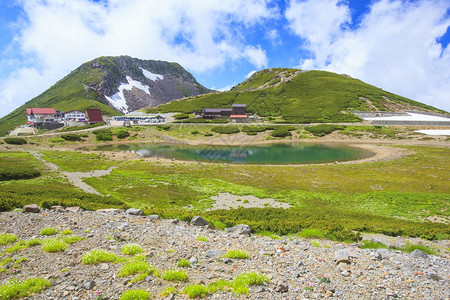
[314, 96]
[67, 94]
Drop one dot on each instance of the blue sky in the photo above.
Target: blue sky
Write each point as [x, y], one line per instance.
[400, 46]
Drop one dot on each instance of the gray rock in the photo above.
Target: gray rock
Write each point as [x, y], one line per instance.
[198, 221]
[170, 297]
[385, 253]
[342, 256]
[153, 217]
[214, 253]
[89, 284]
[193, 260]
[103, 266]
[135, 211]
[74, 209]
[240, 229]
[175, 221]
[31, 208]
[110, 210]
[58, 208]
[281, 287]
[418, 254]
[435, 277]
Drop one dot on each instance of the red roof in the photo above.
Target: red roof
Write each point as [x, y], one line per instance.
[238, 117]
[94, 115]
[41, 111]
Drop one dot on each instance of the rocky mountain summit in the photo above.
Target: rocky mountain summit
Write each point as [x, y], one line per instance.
[291, 268]
[127, 84]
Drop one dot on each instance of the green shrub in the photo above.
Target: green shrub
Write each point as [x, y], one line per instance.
[281, 132]
[163, 127]
[135, 295]
[411, 247]
[174, 275]
[323, 129]
[54, 245]
[373, 245]
[14, 289]
[18, 173]
[196, 291]
[66, 232]
[15, 141]
[208, 134]
[71, 137]
[58, 140]
[254, 128]
[236, 253]
[184, 263]
[181, 116]
[34, 242]
[96, 256]
[19, 246]
[49, 231]
[311, 233]
[194, 132]
[7, 238]
[131, 249]
[103, 135]
[245, 280]
[121, 134]
[227, 129]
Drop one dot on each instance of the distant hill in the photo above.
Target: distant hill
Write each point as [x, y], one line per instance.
[116, 85]
[296, 96]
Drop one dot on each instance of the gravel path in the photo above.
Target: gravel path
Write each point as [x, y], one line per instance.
[297, 268]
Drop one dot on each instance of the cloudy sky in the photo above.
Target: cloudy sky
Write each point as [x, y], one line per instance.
[400, 46]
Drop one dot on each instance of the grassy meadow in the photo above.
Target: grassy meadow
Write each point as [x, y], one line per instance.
[397, 197]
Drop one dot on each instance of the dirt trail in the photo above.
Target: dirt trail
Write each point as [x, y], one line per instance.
[75, 178]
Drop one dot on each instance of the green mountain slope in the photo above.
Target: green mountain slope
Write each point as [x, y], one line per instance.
[301, 97]
[90, 85]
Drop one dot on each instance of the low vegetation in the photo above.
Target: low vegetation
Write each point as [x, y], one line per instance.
[15, 289]
[54, 245]
[236, 253]
[131, 249]
[174, 275]
[135, 295]
[96, 256]
[15, 141]
[183, 263]
[7, 238]
[18, 165]
[49, 231]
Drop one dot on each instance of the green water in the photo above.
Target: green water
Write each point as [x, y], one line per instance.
[297, 153]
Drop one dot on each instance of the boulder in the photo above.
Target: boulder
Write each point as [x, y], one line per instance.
[214, 253]
[74, 209]
[342, 256]
[418, 254]
[240, 229]
[31, 208]
[110, 210]
[135, 211]
[58, 208]
[198, 221]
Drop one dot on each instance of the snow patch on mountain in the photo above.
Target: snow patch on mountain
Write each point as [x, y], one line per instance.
[151, 76]
[118, 99]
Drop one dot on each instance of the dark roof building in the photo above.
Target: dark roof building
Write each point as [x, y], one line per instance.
[94, 115]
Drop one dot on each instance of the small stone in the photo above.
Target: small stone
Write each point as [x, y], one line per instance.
[170, 297]
[214, 253]
[227, 261]
[241, 229]
[281, 287]
[103, 266]
[134, 211]
[58, 208]
[193, 260]
[122, 236]
[31, 208]
[346, 273]
[435, 277]
[198, 221]
[153, 217]
[175, 221]
[89, 284]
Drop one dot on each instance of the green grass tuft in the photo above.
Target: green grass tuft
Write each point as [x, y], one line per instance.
[202, 239]
[184, 263]
[245, 280]
[167, 291]
[66, 232]
[137, 267]
[196, 291]
[135, 295]
[54, 245]
[311, 233]
[96, 256]
[14, 289]
[131, 249]
[49, 231]
[72, 239]
[174, 275]
[410, 248]
[236, 253]
[373, 245]
[7, 238]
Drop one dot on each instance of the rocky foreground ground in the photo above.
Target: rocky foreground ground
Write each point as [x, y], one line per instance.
[297, 268]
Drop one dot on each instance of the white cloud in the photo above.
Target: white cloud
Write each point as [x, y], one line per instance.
[59, 35]
[393, 47]
[250, 74]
